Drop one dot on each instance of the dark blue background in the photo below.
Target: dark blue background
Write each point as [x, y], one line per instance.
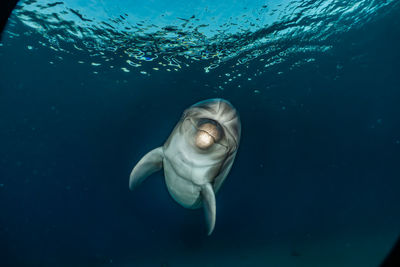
[319, 156]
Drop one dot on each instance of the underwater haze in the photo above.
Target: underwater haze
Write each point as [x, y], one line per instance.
[88, 87]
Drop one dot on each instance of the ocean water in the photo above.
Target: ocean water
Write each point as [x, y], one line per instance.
[88, 87]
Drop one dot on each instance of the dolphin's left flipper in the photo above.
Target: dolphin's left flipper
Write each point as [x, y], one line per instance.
[150, 163]
[208, 198]
[226, 167]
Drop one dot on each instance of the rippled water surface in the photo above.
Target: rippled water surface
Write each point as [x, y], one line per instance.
[126, 35]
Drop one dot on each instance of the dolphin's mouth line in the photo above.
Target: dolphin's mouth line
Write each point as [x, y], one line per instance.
[200, 130]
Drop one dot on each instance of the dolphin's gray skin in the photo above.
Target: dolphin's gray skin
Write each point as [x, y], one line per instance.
[197, 156]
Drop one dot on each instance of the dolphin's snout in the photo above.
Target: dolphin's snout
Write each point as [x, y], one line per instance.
[207, 134]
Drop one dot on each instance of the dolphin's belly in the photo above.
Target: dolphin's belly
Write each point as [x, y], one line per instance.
[183, 191]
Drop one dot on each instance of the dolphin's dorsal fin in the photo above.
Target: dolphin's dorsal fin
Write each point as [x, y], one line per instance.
[150, 163]
[208, 197]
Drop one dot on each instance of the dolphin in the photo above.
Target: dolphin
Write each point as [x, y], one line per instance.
[196, 157]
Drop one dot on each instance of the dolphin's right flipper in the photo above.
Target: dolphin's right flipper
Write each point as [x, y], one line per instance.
[208, 198]
[150, 163]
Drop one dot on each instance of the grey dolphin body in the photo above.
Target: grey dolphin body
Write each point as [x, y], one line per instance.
[197, 156]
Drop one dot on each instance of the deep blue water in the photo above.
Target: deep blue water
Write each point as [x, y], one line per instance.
[315, 181]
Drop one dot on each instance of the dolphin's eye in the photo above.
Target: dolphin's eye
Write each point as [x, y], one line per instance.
[207, 134]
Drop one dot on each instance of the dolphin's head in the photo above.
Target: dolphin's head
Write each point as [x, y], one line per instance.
[211, 122]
